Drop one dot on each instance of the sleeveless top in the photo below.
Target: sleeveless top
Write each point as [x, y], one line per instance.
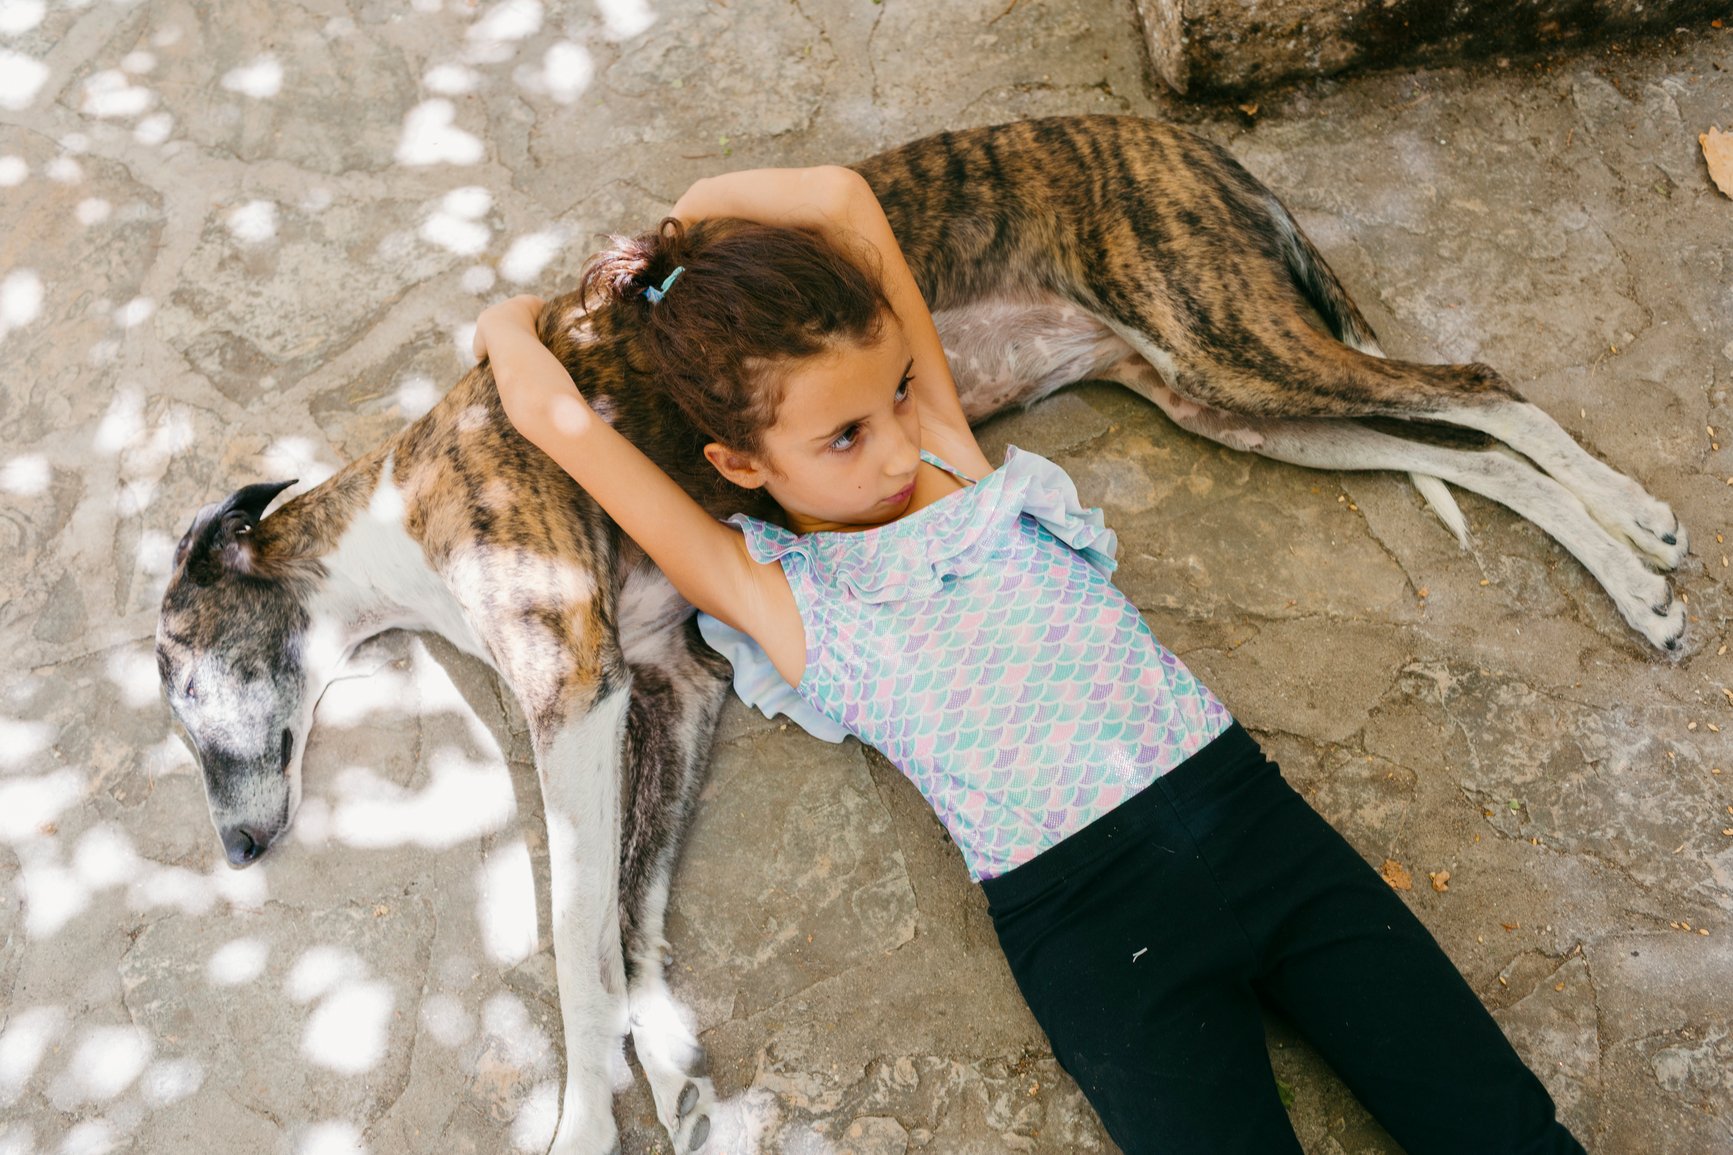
[981, 646]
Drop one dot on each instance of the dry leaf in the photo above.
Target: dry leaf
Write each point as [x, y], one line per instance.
[1718, 152]
[1440, 880]
[1396, 875]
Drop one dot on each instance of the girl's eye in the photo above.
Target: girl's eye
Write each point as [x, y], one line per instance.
[846, 439]
[903, 390]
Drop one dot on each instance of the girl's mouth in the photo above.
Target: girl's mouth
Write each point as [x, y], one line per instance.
[902, 495]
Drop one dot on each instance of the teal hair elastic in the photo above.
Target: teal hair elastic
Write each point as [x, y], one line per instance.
[657, 294]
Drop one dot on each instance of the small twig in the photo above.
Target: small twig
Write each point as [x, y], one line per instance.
[1005, 13]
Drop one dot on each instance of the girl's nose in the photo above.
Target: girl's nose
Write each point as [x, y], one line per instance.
[902, 454]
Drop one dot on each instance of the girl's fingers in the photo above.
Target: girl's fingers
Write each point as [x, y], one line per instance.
[524, 309]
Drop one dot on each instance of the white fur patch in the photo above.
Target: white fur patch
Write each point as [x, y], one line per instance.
[380, 580]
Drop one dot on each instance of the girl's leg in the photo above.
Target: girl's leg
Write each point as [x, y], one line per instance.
[1137, 971]
[1369, 987]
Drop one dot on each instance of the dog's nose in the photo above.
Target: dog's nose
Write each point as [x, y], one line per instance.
[244, 844]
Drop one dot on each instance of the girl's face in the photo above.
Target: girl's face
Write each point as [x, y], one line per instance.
[847, 439]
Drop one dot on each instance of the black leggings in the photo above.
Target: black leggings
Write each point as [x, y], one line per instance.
[1145, 942]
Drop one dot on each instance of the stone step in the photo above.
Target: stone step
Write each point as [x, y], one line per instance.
[1235, 47]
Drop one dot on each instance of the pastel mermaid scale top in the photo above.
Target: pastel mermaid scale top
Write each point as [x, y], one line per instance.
[980, 644]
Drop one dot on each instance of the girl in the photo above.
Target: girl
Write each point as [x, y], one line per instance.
[1152, 878]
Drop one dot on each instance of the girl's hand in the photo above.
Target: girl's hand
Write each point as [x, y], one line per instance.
[518, 314]
[535, 390]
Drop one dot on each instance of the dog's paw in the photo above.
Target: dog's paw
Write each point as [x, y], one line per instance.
[1648, 603]
[1649, 524]
[690, 1129]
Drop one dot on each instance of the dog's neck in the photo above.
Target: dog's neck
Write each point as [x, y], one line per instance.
[376, 577]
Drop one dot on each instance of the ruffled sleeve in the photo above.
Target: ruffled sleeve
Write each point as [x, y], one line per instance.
[759, 684]
[1049, 496]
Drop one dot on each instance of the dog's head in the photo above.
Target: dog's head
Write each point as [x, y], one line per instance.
[229, 651]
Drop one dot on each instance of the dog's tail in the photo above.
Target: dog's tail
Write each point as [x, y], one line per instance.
[1320, 286]
[1325, 293]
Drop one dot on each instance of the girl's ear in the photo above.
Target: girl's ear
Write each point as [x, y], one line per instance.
[737, 467]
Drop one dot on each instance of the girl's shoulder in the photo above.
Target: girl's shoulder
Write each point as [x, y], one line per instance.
[957, 447]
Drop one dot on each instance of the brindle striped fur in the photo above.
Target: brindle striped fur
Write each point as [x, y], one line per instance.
[1050, 251]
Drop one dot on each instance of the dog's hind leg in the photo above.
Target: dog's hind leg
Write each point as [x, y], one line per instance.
[1643, 597]
[1613, 499]
[678, 686]
[1471, 396]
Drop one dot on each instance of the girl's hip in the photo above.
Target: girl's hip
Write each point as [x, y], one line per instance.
[1223, 782]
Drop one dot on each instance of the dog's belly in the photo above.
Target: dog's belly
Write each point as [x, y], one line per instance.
[1011, 350]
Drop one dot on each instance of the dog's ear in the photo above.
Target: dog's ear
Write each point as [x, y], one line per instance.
[220, 538]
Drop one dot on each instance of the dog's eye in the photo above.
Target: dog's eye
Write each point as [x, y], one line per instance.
[188, 693]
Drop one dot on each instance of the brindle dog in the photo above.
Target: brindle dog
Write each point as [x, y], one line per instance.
[1050, 251]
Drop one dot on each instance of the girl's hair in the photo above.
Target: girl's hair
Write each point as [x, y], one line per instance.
[751, 299]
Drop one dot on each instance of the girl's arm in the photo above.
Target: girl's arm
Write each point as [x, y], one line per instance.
[706, 561]
[839, 202]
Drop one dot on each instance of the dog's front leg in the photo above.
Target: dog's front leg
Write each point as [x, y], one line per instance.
[578, 764]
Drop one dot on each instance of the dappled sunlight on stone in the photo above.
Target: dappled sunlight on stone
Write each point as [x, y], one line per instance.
[154, 129]
[260, 79]
[463, 799]
[537, 1115]
[530, 254]
[456, 225]
[348, 1031]
[352, 698]
[105, 1061]
[504, 24]
[111, 93]
[430, 137]
[331, 1138]
[253, 223]
[21, 78]
[13, 171]
[91, 1137]
[28, 1035]
[444, 1017]
[155, 554]
[238, 962]
[21, 741]
[135, 312]
[417, 394]
[505, 905]
[478, 279]
[626, 18]
[170, 1080]
[320, 969]
[64, 170]
[133, 672]
[564, 74]
[123, 422]
[29, 805]
[195, 893]
[509, 1025]
[451, 79]
[296, 457]
[92, 211]
[18, 16]
[20, 297]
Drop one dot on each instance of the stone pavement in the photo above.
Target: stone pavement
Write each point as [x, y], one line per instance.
[244, 241]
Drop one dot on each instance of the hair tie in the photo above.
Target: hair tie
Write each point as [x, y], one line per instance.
[655, 294]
